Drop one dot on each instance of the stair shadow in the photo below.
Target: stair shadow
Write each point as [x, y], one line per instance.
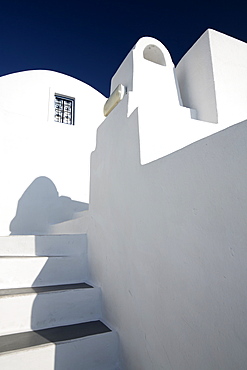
[39, 208]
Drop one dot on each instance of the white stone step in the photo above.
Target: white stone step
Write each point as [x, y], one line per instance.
[26, 309]
[18, 272]
[77, 225]
[43, 245]
[93, 347]
[49, 318]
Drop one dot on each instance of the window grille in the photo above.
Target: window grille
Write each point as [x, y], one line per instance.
[64, 109]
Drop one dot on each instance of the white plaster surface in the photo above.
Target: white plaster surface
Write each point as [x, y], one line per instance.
[148, 75]
[77, 225]
[196, 80]
[37, 358]
[43, 245]
[27, 312]
[32, 260]
[21, 272]
[96, 352]
[153, 88]
[167, 245]
[44, 164]
[33, 311]
[230, 76]
[212, 78]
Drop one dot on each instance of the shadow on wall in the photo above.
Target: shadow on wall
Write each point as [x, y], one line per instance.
[40, 207]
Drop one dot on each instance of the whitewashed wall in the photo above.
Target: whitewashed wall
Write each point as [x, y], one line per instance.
[44, 164]
[161, 93]
[167, 245]
[212, 77]
[167, 240]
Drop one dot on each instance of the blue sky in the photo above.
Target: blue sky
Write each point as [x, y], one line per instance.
[89, 40]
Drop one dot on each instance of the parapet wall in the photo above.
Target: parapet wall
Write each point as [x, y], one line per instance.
[178, 106]
[167, 233]
[167, 246]
[212, 77]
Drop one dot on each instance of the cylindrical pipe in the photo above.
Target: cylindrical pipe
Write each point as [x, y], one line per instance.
[114, 99]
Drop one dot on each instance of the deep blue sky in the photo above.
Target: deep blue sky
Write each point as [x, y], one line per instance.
[89, 40]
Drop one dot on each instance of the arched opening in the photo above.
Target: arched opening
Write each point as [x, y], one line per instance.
[154, 54]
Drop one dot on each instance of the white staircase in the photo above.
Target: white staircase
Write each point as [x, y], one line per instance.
[49, 316]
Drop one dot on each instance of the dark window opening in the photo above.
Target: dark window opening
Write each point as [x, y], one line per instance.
[64, 109]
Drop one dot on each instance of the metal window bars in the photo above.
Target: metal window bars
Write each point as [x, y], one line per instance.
[64, 109]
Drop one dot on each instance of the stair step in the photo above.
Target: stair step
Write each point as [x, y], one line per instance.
[77, 225]
[13, 342]
[49, 315]
[21, 272]
[89, 346]
[43, 245]
[42, 289]
[26, 309]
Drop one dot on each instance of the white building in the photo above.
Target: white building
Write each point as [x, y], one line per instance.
[41, 156]
[166, 224]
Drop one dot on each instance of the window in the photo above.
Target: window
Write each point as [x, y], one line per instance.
[64, 109]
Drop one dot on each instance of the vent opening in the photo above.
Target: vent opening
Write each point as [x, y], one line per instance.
[154, 54]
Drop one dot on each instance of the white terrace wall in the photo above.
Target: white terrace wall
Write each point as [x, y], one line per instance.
[167, 240]
[212, 77]
[44, 164]
[167, 245]
[161, 92]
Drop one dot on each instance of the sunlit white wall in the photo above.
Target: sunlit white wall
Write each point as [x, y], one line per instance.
[212, 78]
[32, 145]
[167, 240]
[167, 246]
[178, 106]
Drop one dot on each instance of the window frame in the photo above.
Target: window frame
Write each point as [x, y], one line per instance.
[64, 99]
